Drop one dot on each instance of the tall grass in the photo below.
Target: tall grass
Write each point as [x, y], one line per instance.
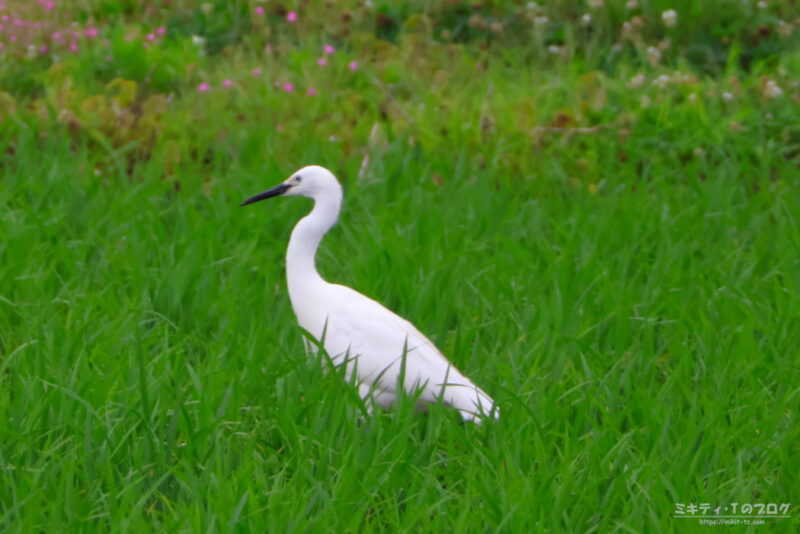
[616, 265]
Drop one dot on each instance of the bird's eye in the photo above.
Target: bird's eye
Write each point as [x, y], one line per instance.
[298, 179]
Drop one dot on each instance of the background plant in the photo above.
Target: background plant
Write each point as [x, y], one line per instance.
[590, 207]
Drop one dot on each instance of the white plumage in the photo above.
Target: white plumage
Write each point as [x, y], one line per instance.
[356, 330]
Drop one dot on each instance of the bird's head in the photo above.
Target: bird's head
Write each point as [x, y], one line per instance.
[312, 181]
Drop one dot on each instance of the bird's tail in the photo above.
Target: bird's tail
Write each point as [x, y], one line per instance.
[471, 402]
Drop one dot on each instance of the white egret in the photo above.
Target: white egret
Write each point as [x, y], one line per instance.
[375, 343]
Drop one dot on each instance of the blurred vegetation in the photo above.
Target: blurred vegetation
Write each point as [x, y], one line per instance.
[146, 80]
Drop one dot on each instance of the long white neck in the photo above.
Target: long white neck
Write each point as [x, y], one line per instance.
[301, 270]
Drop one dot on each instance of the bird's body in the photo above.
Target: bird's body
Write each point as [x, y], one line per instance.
[376, 344]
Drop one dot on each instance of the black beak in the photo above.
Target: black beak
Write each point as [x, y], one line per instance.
[269, 193]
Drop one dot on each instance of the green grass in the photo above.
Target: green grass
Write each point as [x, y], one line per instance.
[630, 296]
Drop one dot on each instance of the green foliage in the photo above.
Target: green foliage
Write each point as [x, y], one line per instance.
[605, 243]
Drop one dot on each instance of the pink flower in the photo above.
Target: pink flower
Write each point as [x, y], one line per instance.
[73, 47]
[259, 10]
[329, 49]
[311, 91]
[57, 36]
[203, 87]
[161, 31]
[288, 87]
[151, 37]
[322, 62]
[353, 66]
[49, 5]
[291, 16]
[43, 49]
[256, 72]
[227, 84]
[91, 33]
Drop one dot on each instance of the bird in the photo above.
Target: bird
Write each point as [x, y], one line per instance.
[383, 350]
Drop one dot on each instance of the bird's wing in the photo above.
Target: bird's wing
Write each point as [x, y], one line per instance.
[377, 339]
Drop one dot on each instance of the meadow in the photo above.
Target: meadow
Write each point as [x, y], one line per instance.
[590, 207]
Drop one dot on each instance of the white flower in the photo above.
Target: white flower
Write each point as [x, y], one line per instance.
[653, 55]
[554, 49]
[540, 21]
[670, 17]
[532, 5]
[662, 81]
[631, 4]
[771, 89]
[636, 81]
[645, 101]
[198, 41]
[595, 4]
[692, 98]
[762, 5]
[586, 19]
[727, 97]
